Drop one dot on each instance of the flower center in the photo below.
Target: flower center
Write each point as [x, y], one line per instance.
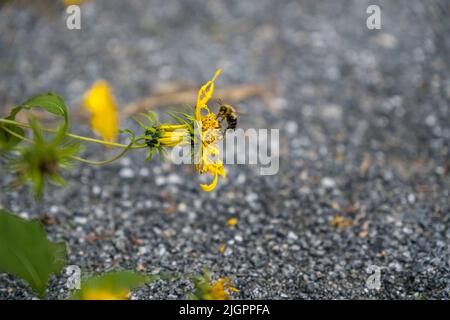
[210, 127]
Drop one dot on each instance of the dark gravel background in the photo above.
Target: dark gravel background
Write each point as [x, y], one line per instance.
[346, 94]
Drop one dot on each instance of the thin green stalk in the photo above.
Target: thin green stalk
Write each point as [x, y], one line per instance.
[15, 134]
[74, 136]
[93, 162]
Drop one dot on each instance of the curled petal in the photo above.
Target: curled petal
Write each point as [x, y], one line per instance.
[204, 94]
[210, 187]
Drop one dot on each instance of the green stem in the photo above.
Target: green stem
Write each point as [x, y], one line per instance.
[121, 154]
[93, 162]
[15, 134]
[74, 136]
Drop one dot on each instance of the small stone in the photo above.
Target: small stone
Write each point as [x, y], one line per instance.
[292, 235]
[328, 182]
[81, 220]
[142, 251]
[99, 212]
[332, 112]
[125, 162]
[144, 172]
[54, 209]
[174, 179]
[160, 181]
[126, 173]
[148, 204]
[127, 204]
[386, 40]
[182, 207]
[430, 120]
[291, 127]
[251, 197]
[169, 233]
[241, 179]
[161, 251]
[24, 215]
[96, 190]
[228, 252]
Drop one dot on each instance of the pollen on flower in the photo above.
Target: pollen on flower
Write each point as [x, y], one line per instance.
[100, 102]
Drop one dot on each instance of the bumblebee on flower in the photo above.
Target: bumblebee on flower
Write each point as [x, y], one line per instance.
[201, 130]
[209, 134]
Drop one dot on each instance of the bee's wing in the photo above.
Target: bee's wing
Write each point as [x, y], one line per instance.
[241, 113]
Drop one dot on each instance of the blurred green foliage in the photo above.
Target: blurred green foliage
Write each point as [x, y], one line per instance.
[26, 252]
[110, 286]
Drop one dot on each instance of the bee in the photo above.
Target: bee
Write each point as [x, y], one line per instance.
[229, 114]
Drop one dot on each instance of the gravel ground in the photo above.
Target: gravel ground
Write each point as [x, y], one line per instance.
[365, 133]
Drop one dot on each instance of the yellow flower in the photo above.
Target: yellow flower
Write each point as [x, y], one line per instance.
[209, 136]
[99, 100]
[99, 294]
[222, 248]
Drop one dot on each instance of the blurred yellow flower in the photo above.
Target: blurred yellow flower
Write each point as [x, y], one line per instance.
[206, 290]
[116, 285]
[99, 100]
[72, 2]
[222, 248]
[220, 289]
[209, 135]
[232, 222]
[100, 294]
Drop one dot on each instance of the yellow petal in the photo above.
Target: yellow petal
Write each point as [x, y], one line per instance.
[204, 94]
[210, 187]
[172, 127]
[99, 100]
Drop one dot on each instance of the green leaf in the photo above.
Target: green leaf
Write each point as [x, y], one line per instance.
[111, 286]
[51, 102]
[7, 140]
[26, 252]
